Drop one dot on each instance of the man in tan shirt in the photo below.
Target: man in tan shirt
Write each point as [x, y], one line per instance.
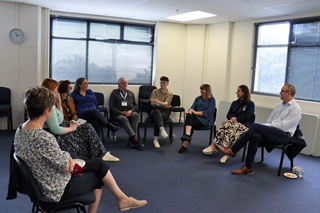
[160, 102]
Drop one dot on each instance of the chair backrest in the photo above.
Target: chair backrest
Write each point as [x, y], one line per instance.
[145, 91]
[100, 98]
[31, 183]
[175, 101]
[215, 116]
[5, 97]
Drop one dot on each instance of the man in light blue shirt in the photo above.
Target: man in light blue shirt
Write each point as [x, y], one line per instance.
[280, 127]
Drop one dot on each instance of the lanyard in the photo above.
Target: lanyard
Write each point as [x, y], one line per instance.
[125, 96]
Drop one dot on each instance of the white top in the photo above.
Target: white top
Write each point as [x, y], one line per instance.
[285, 117]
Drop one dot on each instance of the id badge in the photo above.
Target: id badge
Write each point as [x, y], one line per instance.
[124, 103]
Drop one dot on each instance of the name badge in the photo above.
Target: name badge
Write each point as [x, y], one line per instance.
[124, 103]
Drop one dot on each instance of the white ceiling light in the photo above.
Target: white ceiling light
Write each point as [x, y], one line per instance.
[191, 16]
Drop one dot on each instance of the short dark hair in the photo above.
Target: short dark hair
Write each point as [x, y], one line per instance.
[79, 81]
[247, 96]
[36, 100]
[63, 86]
[164, 78]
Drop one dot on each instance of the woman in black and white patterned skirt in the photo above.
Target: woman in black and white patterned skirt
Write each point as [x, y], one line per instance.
[239, 120]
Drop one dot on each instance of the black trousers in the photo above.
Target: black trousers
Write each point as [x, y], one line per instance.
[193, 121]
[91, 179]
[158, 116]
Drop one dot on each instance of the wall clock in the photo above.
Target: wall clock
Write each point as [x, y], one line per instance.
[16, 35]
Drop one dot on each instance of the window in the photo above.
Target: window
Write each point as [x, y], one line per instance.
[288, 52]
[101, 52]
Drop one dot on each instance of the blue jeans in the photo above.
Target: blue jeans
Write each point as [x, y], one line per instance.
[258, 132]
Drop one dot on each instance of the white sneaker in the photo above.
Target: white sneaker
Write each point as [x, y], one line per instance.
[208, 151]
[156, 144]
[164, 134]
[109, 157]
[224, 159]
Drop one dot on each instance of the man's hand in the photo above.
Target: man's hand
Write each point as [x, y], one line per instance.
[129, 113]
[124, 113]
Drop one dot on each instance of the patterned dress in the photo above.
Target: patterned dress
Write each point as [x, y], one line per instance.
[230, 131]
[32, 147]
[84, 142]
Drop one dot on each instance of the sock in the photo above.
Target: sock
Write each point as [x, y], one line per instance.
[161, 128]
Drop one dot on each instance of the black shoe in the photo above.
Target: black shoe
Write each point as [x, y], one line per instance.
[182, 149]
[138, 144]
[112, 127]
[186, 138]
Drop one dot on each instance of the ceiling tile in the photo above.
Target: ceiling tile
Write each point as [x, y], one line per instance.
[295, 8]
[121, 13]
[170, 11]
[147, 6]
[256, 14]
[70, 7]
[118, 4]
[43, 3]
[97, 10]
[210, 3]
[237, 7]
[271, 3]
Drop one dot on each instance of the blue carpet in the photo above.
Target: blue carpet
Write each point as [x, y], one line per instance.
[192, 182]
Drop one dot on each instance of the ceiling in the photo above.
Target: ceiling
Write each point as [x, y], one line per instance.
[157, 10]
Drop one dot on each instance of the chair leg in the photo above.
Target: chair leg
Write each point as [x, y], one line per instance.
[138, 131]
[244, 152]
[180, 118]
[170, 132]
[11, 120]
[8, 121]
[281, 161]
[34, 205]
[210, 138]
[145, 132]
[262, 156]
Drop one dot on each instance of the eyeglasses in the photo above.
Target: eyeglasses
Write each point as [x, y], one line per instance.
[125, 83]
[163, 82]
[283, 91]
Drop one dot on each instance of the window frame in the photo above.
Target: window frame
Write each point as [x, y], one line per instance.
[289, 46]
[114, 41]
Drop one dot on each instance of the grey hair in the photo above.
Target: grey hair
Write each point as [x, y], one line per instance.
[78, 82]
[120, 79]
[291, 89]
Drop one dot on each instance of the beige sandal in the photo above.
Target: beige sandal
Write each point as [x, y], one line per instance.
[131, 204]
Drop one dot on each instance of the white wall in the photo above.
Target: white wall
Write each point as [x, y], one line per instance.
[19, 63]
[217, 54]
